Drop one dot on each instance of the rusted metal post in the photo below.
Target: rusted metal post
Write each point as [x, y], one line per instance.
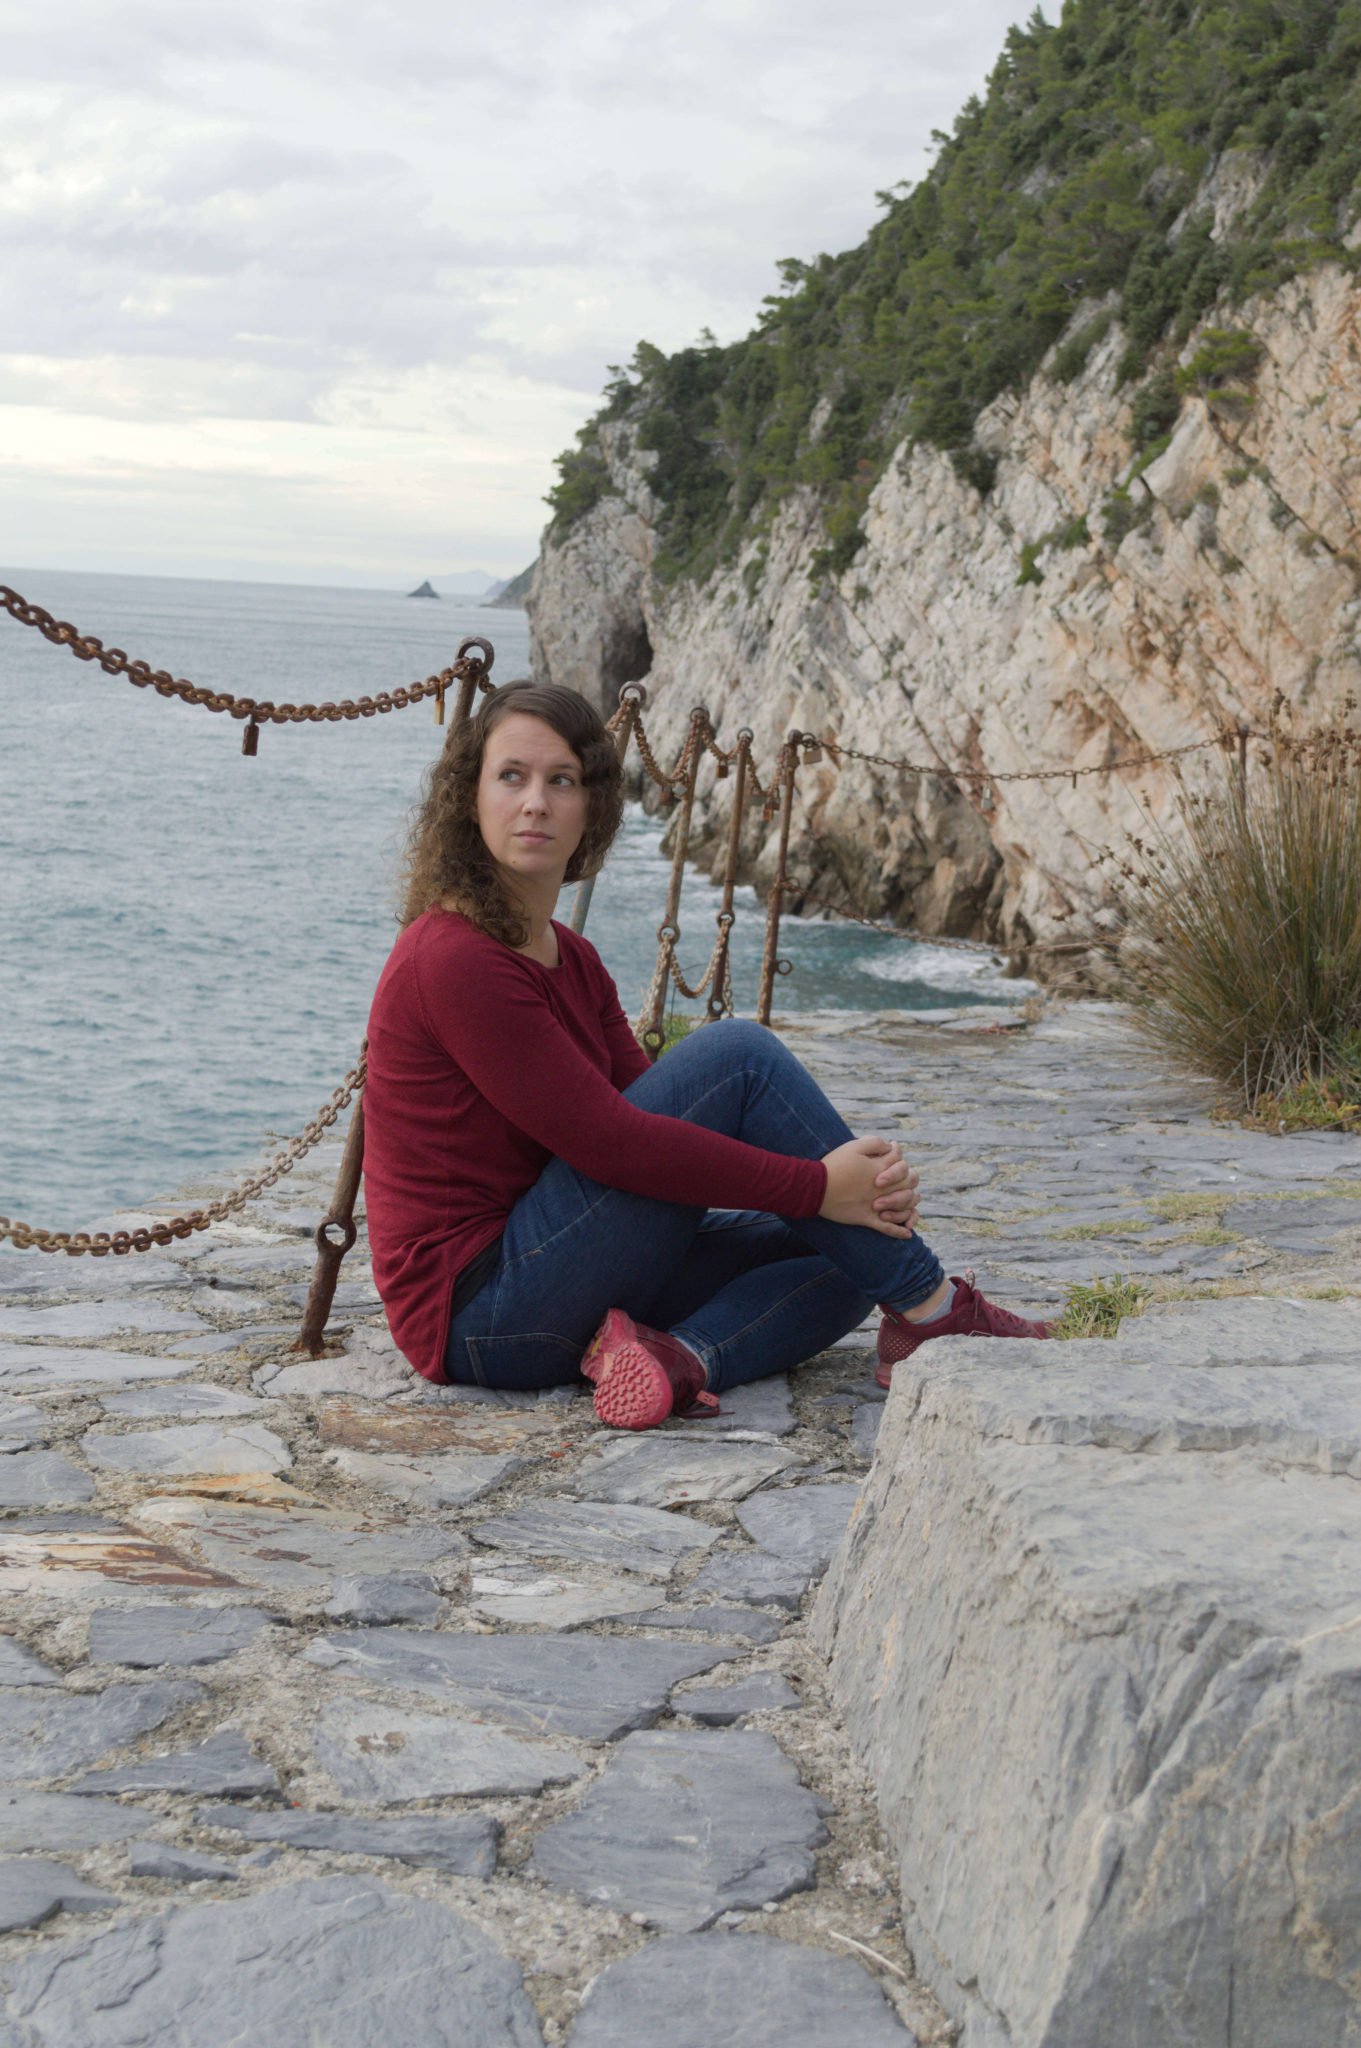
[335, 1233]
[770, 956]
[1244, 735]
[718, 995]
[631, 700]
[668, 931]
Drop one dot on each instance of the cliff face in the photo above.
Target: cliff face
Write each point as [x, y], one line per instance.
[1002, 632]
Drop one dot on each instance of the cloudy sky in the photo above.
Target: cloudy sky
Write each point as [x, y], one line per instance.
[315, 290]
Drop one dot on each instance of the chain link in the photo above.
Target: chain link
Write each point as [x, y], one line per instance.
[1227, 736]
[27, 1237]
[141, 675]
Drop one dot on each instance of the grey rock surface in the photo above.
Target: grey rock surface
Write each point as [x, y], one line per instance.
[696, 1990]
[463, 1844]
[224, 1767]
[300, 1548]
[339, 1960]
[43, 1736]
[749, 1624]
[62, 1820]
[387, 1756]
[186, 1404]
[637, 1539]
[449, 1479]
[144, 1638]
[590, 1687]
[180, 1866]
[533, 1596]
[64, 1368]
[665, 1471]
[718, 1706]
[32, 1889]
[100, 1318]
[391, 1596]
[753, 1575]
[35, 1479]
[1134, 1593]
[19, 1666]
[802, 1524]
[683, 1827]
[21, 1425]
[222, 1447]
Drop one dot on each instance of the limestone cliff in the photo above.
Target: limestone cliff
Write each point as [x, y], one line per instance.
[1084, 610]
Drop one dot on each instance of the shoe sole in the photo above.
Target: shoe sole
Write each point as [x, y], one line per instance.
[631, 1390]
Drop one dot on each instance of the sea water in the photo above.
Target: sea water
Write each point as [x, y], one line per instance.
[189, 939]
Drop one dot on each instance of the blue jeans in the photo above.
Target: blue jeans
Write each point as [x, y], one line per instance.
[751, 1294]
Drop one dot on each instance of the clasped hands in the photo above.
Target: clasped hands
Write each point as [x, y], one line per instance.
[870, 1183]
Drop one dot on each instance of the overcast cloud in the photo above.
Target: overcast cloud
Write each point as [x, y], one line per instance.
[317, 291]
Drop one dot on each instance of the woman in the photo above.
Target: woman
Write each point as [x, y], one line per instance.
[544, 1203]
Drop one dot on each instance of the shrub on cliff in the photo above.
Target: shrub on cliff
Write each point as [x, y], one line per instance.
[1072, 181]
[1248, 923]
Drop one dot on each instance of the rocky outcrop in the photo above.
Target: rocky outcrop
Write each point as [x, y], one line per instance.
[1080, 613]
[1093, 1629]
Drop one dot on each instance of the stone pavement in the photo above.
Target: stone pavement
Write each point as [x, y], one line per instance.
[336, 1706]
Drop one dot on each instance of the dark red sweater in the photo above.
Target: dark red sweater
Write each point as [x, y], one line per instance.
[483, 1065]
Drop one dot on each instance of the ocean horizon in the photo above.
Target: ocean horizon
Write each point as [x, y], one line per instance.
[191, 938]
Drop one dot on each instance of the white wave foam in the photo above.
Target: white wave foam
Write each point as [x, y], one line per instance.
[942, 967]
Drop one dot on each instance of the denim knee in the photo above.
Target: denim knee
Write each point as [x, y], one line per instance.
[738, 1041]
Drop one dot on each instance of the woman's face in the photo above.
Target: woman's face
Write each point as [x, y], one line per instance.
[531, 801]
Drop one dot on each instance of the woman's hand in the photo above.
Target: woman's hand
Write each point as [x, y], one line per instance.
[870, 1183]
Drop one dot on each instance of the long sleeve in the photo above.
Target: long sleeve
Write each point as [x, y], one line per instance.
[502, 1029]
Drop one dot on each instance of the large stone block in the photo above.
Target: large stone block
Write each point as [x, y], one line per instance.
[1093, 1630]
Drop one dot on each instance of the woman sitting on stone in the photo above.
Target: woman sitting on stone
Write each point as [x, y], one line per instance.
[545, 1203]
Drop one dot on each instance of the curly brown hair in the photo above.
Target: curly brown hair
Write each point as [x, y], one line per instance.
[447, 860]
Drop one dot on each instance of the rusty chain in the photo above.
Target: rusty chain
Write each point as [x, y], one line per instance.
[1227, 736]
[99, 1243]
[256, 712]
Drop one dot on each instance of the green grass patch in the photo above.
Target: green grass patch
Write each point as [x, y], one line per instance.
[1116, 1226]
[1098, 1309]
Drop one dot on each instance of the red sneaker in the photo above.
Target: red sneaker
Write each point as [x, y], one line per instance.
[972, 1316]
[641, 1376]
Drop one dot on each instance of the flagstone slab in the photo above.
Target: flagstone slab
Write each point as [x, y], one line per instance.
[219, 1447]
[718, 1706]
[35, 1479]
[180, 1866]
[1310, 1225]
[464, 1844]
[215, 1342]
[697, 1989]
[352, 1424]
[63, 1820]
[22, 1425]
[752, 1624]
[224, 1767]
[529, 1595]
[593, 1687]
[33, 1889]
[42, 1736]
[299, 1548]
[449, 1479]
[388, 1756]
[339, 1959]
[196, 1403]
[754, 1576]
[86, 1558]
[764, 1406]
[802, 1524]
[661, 1471]
[372, 1378]
[101, 1318]
[66, 1368]
[49, 1274]
[865, 1427]
[681, 1827]
[644, 1540]
[144, 1638]
[19, 1666]
[390, 1596]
